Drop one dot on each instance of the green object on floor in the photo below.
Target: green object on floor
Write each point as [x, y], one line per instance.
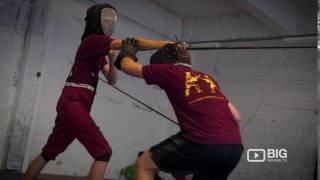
[129, 172]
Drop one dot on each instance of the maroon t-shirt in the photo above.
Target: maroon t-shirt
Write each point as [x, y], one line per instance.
[200, 106]
[89, 60]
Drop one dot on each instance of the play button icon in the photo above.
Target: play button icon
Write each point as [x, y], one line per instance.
[256, 155]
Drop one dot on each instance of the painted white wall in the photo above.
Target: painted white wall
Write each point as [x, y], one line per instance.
[275, 91]
[224, 27]
[128, 125]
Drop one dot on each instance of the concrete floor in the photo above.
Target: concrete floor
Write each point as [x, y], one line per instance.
[10, 175]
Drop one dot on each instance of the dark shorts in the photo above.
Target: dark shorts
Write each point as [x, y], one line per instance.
[180, 156]
[74, 122]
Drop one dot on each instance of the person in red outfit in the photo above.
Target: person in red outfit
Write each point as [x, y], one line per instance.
[209, 144]
[73, 119]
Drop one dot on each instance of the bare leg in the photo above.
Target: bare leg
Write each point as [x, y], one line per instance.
[146, 168]
[98, 170]
[34, 168]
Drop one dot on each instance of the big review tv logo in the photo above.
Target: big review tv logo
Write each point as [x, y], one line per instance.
[267, 155]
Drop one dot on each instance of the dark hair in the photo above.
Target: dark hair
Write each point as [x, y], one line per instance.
[171, 54]
[140, 153]
[93, 24]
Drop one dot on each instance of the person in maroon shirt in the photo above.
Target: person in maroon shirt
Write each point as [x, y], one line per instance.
[73, 119]
[209, 144]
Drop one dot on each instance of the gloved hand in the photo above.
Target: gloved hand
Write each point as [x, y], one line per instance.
[129, 49]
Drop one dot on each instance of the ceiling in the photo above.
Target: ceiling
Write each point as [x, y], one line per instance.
[200, 8]
[285, 16]
[205, 8]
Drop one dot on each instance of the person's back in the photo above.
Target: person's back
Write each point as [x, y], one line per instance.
[209, 144]
[200, 106]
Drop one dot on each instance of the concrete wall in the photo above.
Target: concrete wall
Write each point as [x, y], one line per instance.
[318, 27]
[15, 17]
[27, 91]
[275, 91]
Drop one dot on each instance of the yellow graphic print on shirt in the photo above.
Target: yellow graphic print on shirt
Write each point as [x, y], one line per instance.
[210, 82]
[192, 85]
[191, 82]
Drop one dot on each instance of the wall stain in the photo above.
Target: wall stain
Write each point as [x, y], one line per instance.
[138, 106]
[113, 100]
[59, 163]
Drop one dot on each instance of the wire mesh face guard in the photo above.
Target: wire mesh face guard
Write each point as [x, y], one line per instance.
[171, 54]
[108, 21]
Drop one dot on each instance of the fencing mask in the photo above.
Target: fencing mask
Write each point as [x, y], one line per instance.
[100, 19]
[108, 20]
